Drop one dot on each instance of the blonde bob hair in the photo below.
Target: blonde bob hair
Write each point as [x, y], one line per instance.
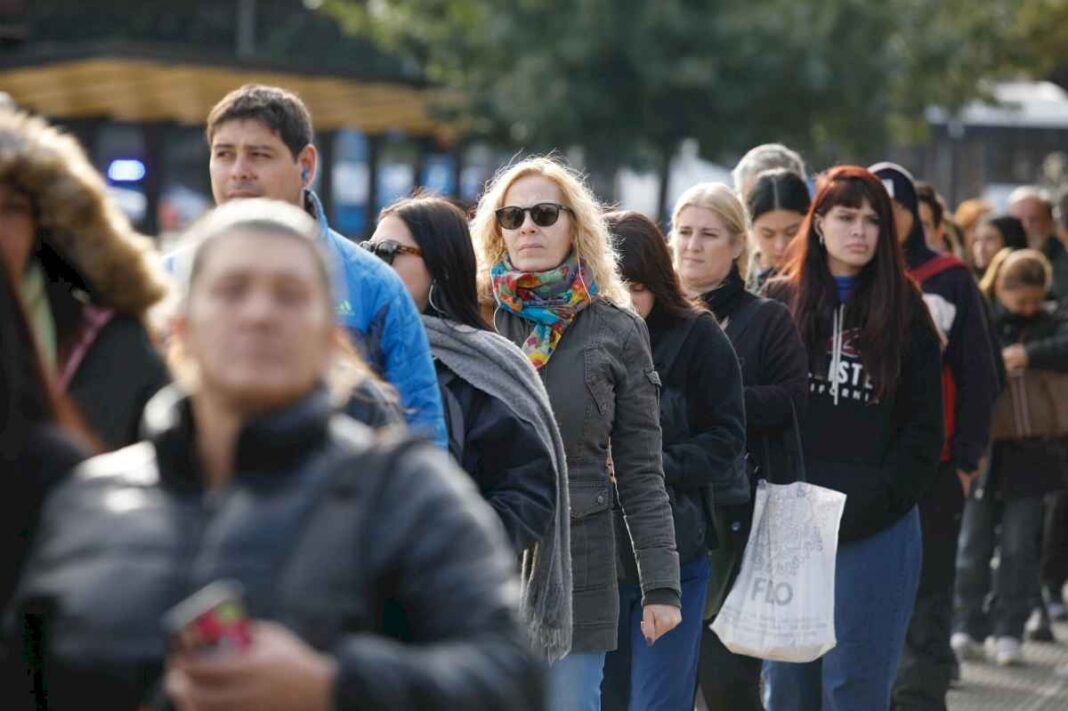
[1013, 269]
[589, 235]
[724, 202]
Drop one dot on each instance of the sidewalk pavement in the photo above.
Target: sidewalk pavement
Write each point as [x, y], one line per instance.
[1040, 684]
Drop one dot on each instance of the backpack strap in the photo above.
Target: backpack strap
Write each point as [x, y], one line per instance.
[454, 415]
[934, 267]
[93, 322]
[667, 349]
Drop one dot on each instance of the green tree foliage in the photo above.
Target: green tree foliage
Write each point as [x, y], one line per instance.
[627, 79]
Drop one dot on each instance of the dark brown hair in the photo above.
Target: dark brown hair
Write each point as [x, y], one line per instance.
[644, 259]
[279, 110]
[777, 189]
[885, 300]
[926, 194]
[440, 229]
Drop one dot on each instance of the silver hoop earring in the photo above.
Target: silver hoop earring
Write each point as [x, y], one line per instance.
[430, 299]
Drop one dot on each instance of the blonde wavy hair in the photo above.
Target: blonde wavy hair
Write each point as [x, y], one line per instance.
[590, 236]
[724, 202]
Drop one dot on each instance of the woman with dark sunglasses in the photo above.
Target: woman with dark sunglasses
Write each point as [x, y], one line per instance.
[501, 428]
[548, 265]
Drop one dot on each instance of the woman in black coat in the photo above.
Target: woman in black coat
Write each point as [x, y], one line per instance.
[709, 238]
[500, 423]
[427, 241]
[703, 423]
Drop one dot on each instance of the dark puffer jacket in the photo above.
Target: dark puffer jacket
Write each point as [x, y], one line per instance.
[382, 556]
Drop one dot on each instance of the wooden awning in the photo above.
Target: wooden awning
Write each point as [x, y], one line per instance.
[149, 90]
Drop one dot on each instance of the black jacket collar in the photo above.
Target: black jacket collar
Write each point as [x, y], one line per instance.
[271, 443]
[722, 300]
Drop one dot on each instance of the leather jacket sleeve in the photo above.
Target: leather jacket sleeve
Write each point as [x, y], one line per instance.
[441, 557]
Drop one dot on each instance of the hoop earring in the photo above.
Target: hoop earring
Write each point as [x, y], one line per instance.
[430, 298]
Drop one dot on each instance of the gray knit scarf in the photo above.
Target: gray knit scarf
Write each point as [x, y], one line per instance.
[494, 365]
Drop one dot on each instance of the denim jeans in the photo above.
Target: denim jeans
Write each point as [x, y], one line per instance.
[575, 682]
[663, 676]
[874, 591]
[1017, 575]
[927, 661]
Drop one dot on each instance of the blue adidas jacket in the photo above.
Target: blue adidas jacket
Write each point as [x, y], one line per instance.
[376, 309]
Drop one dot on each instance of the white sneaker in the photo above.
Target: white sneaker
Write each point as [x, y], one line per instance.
[1004, 651]
[965, 647]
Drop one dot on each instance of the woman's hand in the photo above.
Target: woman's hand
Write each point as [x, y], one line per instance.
[278, 672]
[1015, 357]
[658, 620]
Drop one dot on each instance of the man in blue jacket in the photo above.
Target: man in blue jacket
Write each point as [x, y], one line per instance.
[261, 142]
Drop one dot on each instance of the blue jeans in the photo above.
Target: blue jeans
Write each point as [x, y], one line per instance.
[663, 676]
[874, 591]
[1013, 527]
[575, 682]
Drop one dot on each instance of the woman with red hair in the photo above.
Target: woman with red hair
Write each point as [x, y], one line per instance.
[873, 430]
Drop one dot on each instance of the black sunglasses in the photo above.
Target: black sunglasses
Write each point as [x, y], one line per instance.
[544, 214]
[387, 250]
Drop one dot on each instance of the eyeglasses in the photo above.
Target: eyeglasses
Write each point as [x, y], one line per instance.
[387, 250]
[544, 214]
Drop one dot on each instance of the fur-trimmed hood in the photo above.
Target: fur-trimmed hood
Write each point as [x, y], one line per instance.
[75, 216]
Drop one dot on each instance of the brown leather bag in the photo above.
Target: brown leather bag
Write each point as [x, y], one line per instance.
[1033, 404]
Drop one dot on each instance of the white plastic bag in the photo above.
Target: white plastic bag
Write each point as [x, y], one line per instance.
[782, 604]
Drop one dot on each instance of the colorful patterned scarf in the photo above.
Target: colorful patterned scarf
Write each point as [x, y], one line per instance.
[550, 299]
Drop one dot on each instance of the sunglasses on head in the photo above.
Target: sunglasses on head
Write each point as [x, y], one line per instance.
[387, 250]
[544, 214]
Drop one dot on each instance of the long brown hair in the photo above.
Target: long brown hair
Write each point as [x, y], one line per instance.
[884, 300]
[644, 259]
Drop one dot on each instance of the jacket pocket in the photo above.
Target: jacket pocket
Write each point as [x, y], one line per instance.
[589, 497]
[598, 378]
